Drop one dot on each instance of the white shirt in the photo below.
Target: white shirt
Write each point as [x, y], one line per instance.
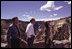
[30, 30]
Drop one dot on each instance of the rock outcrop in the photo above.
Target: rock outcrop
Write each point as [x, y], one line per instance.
[60, 32]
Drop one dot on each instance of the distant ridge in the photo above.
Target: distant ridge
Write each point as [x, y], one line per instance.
[40, 20]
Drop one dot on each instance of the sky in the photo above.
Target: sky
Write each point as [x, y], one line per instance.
[40, 10]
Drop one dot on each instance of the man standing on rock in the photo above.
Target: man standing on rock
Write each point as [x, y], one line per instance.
[30, 33]
[13, 34]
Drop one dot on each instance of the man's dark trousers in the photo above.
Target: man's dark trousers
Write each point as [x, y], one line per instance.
[15, 43]
[30, 42]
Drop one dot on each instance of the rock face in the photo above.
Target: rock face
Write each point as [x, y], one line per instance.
[60, 30]
[64, 31]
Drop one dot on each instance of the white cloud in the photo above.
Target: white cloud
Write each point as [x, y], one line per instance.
[57, 8]
[44, 19]
[47, 19]
[55, 14]
[27, 16]
[69, 2]
[23, 15]
[30, 17]
[51, 15]
[50, 6]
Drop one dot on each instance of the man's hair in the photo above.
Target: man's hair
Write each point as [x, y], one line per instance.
[47, 24]
[32, 19]
[14, 18]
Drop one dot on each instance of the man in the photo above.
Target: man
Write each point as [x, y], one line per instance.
[13, 34]
[47, 34]
[30, 33]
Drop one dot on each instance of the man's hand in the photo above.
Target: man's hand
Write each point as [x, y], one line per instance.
[35, 36]
[9, 46]
[32, 36]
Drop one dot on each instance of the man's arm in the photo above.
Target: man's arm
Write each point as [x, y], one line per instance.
[8, 37]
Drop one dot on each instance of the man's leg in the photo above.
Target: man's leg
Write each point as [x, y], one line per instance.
[49, 43]
[15, 43]
[18, 43]
[12, 43]
[46, 42]
[30, 42]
